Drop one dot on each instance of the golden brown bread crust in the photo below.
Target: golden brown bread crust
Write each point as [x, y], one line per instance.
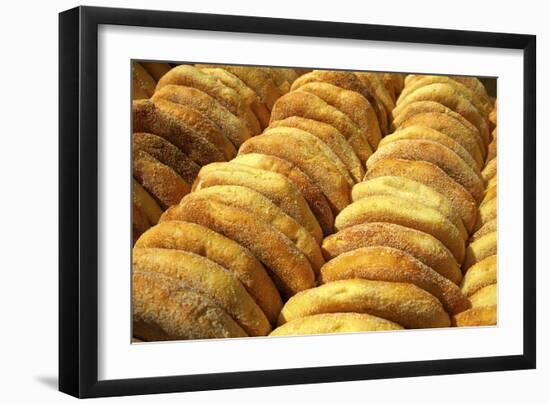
[481, 248]
[481, 104]
[409, 190]
[311, 192]
[431, 175]
[263, 209]
[347, 81]
[392, 209]
[487, 211]
[163, 309]
[158, 179]
[490, 193]
[449, 96]
[419, 132]
[308, 105]
[304, 151]
[287, 266]
[490, 169]
[477, 316]
[167, 154]
[189, 76]
[272, 185]
[402, 303]
[483, 273]
[474, 84]
[420, 107]
[351, 103]
[232, 126]
[374, 82]
[207, 278]
[283, 77]
[140, 223]
[147, 117]
[200, 123]
[423, 246]
[486, 296]
[450, 126]
[392, 265]
[487, 228]
[156, 69]
[335, 323]
[247, 94]
[143, 85]
[316, 143]
[145, 210]
[257, 79]
[435, 153]
[232, 256]
[329, 135]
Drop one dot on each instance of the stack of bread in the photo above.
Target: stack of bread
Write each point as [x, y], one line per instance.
[480, 265]
[344, 204]
[189, 116]
[400, 245]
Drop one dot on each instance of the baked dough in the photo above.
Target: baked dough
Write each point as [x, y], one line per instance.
[233, 127]
[310, 191]
[483, 273]
[158, 179]
[486, 296]
[329, 135]
[263, 209]
[452, 127]
[308, 105]
[257, 79]
[351, 103]
[419, 132]
[164, 309]
[200, 123]
[435, 153]
[431, 175]
[402, 303]
[272, 185]
[167, 154]
[143, 85]
[189, 76]
[392, 209]
[207, 278]
[232, 256]
[392, 265]
[347, 81]
[422, 246]
[419, 107]
[306, 152]
[410, 190]
[452, 98]
[476, 316]
[481, 248]
[149, 118]
[287, 266]
[334, 323]
[247, 94]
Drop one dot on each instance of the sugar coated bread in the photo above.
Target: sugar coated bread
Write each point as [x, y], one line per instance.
[335, 323]
[402, 303]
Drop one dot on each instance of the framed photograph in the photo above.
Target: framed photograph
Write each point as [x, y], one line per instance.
[251, 201]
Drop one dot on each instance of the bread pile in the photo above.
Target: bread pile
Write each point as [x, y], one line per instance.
[480, 265]
[189, 116]
[344, 204]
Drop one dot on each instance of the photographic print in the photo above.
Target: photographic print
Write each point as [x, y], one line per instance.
[283, 201]
[250, 201]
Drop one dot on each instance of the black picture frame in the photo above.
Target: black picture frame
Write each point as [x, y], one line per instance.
[78, 201]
